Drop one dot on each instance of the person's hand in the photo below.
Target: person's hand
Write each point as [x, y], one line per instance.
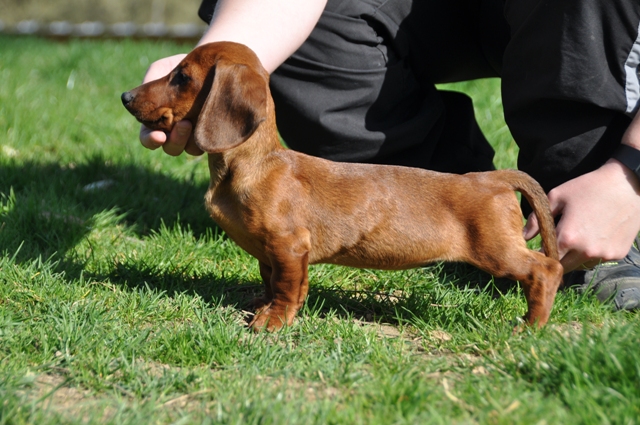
[180, 138]
[600, 216]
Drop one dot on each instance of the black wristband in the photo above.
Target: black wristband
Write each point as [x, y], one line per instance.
[629, 157]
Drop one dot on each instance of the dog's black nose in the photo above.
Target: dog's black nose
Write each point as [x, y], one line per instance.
[126, 98]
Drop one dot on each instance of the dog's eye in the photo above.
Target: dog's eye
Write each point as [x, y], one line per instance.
[180, 79]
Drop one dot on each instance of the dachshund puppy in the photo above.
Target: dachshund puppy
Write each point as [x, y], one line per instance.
[289, 210]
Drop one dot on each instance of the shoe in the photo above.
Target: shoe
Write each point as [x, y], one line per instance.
[617, 282]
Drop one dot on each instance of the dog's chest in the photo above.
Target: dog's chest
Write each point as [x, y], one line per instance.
[230, 216]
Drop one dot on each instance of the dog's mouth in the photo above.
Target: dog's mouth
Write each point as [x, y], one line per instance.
[164, 122]
[159, 124]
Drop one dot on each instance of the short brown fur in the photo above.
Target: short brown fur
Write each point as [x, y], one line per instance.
[289, 210]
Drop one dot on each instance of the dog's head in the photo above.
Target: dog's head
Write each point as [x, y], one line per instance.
[220, 87]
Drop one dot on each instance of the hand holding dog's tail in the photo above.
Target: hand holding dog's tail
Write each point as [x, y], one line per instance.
[541, 219]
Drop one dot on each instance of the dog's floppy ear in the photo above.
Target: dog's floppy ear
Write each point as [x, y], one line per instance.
[235, 106]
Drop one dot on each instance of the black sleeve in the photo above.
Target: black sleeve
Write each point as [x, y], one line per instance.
[206, 10]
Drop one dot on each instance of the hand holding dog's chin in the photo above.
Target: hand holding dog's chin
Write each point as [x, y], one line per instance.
[152, 139]
[180, 139]
[600, 216]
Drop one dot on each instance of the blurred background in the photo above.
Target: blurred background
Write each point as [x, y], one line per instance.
[102, 18]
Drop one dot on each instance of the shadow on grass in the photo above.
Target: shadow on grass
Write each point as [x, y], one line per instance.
[396, 307]
[53, 206]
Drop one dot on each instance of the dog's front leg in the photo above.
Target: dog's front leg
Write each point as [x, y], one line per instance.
[288, 283]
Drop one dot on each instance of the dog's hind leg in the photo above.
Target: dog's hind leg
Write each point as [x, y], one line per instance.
[540, 277]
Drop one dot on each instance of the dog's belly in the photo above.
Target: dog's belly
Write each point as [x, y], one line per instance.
[392, 248]
[380, 263]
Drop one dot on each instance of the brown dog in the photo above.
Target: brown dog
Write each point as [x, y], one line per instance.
[290, 210]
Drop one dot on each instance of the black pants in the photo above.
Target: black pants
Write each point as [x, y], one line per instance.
[361, 88]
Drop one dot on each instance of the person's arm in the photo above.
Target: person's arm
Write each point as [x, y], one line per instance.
[273, 29]
[600, 211]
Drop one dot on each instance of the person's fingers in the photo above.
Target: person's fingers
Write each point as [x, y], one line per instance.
[152, 139]
[178, 138]
[192, 148]
[574, 260]
[532, 228]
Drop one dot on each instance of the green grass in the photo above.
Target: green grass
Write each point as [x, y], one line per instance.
[124, 304]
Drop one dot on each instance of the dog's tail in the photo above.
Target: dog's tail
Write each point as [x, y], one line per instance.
[533, 193]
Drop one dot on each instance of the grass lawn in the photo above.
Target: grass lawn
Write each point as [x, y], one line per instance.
[121, 303]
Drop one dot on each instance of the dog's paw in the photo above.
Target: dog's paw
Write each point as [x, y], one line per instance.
[522, 324]
[267, 321]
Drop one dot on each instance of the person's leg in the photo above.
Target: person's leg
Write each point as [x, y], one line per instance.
[361, 88]
[564, 83]
[570, 88]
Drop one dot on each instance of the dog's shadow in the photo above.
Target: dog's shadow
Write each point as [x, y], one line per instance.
[370, 306]
[402, 306]
[46, 210]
